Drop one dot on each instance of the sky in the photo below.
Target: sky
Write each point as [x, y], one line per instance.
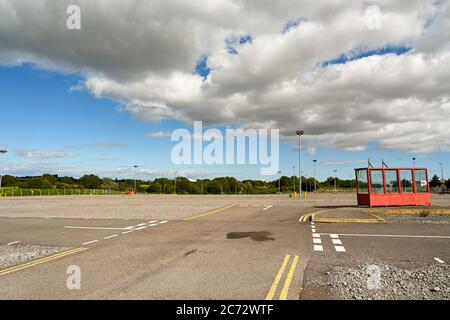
[108, 96]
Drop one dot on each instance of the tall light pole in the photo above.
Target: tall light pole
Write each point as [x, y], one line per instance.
[414, 162]
[315, 185]
[442, 173]
[299, 133]
[2, 151]
[335, 190]
[135, 189]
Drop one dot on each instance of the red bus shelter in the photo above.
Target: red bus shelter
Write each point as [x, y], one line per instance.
[377, 187]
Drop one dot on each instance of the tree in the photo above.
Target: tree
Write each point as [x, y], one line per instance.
[53, 179]
[9, 181]
[91, 181]
[109, 184]
[435, 181]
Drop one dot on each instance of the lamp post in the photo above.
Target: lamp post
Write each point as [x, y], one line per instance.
[442, 173]
[2, 151]
[299, 133]
[135, 189]
[414, 162]
[315, 185]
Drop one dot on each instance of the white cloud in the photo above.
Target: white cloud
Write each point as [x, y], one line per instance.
[43, 154]
[147, 65]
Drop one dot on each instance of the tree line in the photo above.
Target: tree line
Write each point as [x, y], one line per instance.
[182, 185]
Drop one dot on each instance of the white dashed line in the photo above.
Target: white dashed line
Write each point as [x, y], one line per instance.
[316, 235]
[141, 224]
[161, 222]
[11, 243]
[317, 241]
[439, 260]
[153, 221]
[140, 228]
[313, 230]
[153, 224]
[268, 207]
[318, 247]
[334, 236]
[111, 236]
[89, 242]
[129, 227]
[336, 241]
[125, 232]
[339, 248]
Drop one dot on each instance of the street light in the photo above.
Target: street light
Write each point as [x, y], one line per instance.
[414, 162]
[299, 133]
[135, 189]
[442, 172]
[315, 186]
[2, 151]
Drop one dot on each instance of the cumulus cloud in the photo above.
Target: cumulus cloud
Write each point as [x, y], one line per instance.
[144, 54]
[43, 154]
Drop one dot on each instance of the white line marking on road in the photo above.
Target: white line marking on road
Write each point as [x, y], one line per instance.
[85, 243]
[336, 241]
[153, 221]
[125, 232]
[11, 243]
[129, 227]
[334, 236]
[339, 248]
[140, 228]
[439, 260]
[386, 235]
[317, 241]
[93, 228]
[316, 235]
[111, 236]
[313, 230]
[318, 248]
[268, 207]
[153, 224]
[161, 222]
[141, 224]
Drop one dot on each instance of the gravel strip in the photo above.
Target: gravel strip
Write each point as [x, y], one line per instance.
[17, 254]
[360, 283]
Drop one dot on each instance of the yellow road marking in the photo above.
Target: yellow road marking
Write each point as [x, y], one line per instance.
[208, 213]
[305, 216]
[42, 260]
[287, 282]
[275, 283]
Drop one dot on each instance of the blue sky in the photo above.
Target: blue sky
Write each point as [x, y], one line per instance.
[39, 111]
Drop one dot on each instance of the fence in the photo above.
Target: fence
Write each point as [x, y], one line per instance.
[18, 192]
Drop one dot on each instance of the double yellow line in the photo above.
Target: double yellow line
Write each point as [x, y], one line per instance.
[287, 281]
[42, 260]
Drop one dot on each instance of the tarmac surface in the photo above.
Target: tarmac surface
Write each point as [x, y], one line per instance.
[240, 248]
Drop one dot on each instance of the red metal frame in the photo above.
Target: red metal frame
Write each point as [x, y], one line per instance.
[399, 198]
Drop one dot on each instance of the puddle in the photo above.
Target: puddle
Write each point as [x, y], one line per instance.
[254, 235]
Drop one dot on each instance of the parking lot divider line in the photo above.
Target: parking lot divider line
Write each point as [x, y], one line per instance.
[208, 213]
[277, 279]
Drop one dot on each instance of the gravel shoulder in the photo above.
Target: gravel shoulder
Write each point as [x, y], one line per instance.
[17, 254]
